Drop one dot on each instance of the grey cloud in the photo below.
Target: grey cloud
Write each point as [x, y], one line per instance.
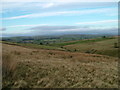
[60, 30]
[54, 30]
[3, 29]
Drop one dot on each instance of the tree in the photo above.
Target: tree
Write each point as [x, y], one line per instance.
[115, 45]
[41, 43]
[103, 36]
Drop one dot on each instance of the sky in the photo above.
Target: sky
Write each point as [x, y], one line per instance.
[54, 18]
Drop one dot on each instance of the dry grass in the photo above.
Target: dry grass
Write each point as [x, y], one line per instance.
[8, 67]
[60, 69]
[9, 64]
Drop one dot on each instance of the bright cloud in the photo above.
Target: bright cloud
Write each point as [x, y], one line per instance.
[106, 10]
[60, 1]
[48, 5]
[27, 25]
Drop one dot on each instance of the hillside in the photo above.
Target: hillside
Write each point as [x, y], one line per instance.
[100, 45]
[95, 46]
[36, 68]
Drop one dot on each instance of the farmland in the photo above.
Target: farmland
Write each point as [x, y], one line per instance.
[98, 45]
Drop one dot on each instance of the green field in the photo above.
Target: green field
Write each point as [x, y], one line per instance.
[81, 41]
[98, 46]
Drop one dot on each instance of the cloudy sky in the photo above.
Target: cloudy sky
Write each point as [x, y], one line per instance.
[51, 18]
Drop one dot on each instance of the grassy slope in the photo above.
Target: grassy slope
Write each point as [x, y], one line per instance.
[49, 68]
[80, 41]
[35, 46]
[104, 47]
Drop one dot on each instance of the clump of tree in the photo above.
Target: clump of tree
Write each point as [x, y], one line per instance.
[116, 45]
[103, 36]
[61, 46]
[41, 43]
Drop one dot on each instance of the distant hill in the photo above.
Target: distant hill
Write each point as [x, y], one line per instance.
[50, 39]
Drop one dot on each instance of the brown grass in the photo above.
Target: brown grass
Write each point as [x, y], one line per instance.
[8, 65]
[8, 68]
[59, 69]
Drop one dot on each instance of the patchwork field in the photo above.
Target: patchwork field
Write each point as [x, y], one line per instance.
[39, 68]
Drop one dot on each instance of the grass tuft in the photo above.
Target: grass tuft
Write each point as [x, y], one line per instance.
[8, 68]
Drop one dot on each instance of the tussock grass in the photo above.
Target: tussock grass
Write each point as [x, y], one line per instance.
[8, 64]
[8, 68]
[60, 69]
[17, 52]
